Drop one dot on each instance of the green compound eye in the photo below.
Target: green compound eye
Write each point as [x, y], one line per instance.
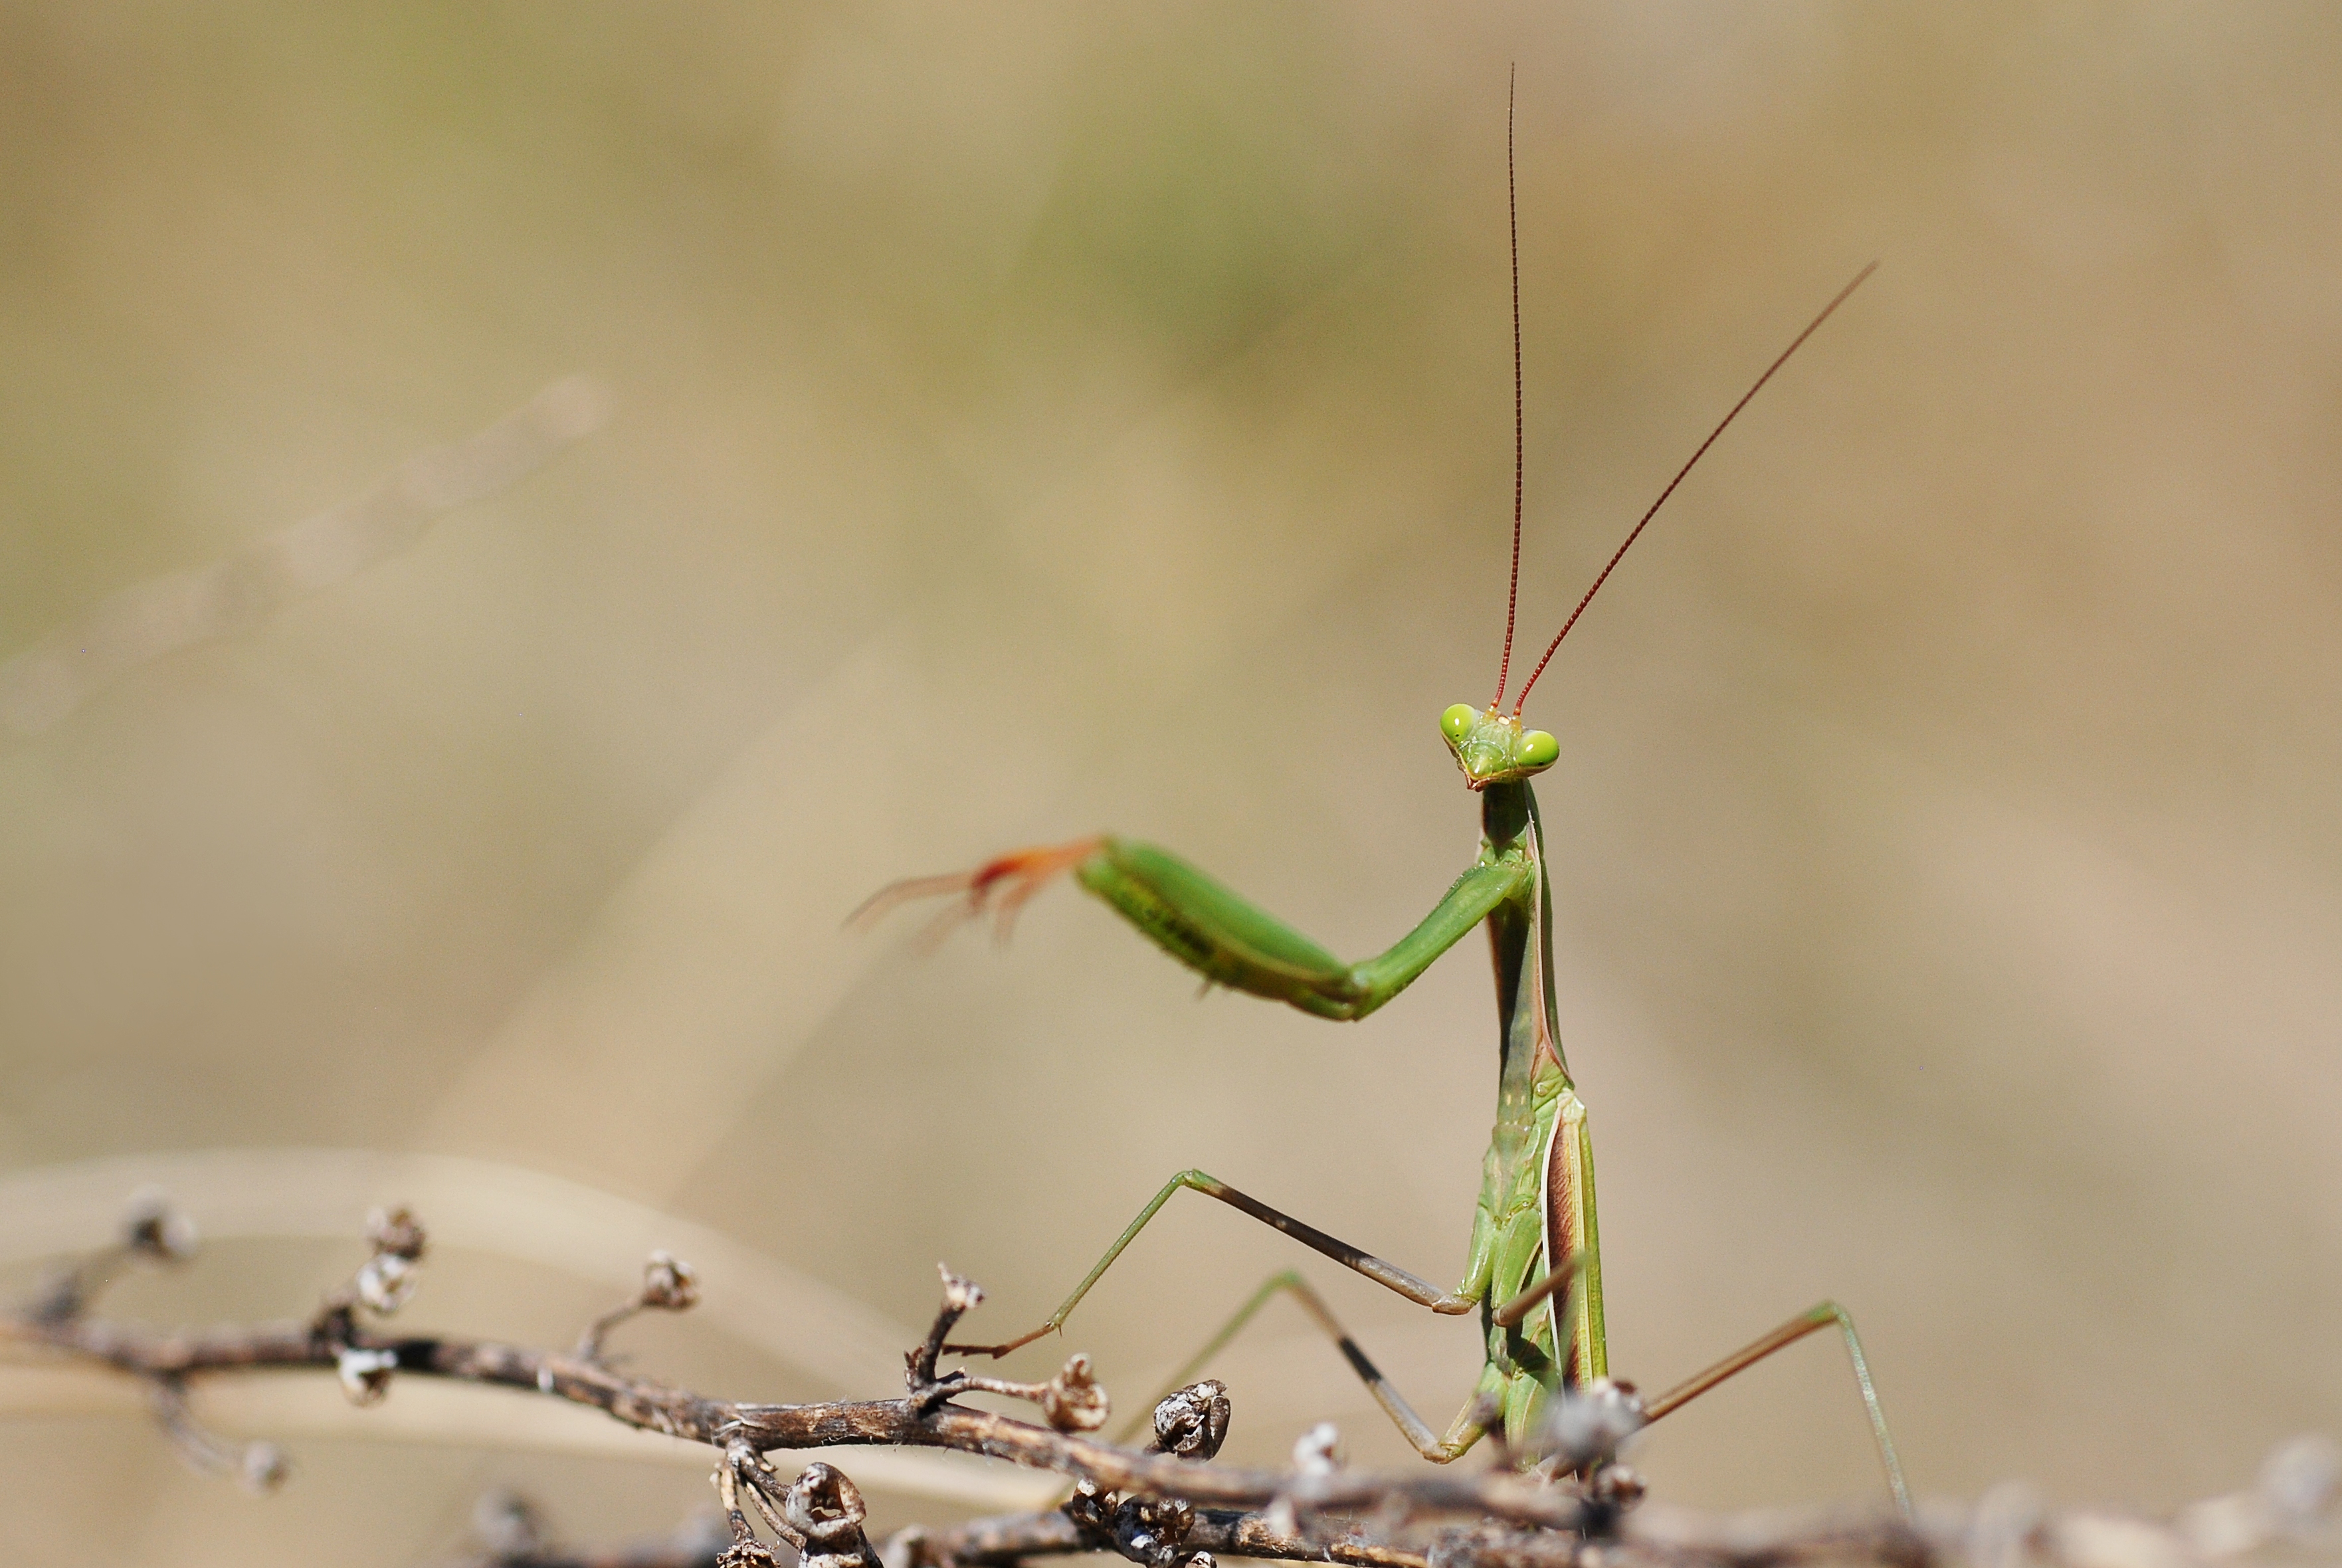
[1540, 750]
[1456, 722]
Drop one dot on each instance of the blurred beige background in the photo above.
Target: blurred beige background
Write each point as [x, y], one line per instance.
[1029, 421]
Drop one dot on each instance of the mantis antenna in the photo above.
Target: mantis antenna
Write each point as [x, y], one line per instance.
[1512, 214]
[1637, 533]
[1795, 345]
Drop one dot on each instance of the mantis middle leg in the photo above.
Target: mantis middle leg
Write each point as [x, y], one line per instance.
[1390, 1276]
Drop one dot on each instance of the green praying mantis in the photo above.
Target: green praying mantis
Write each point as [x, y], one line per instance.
[1534, 1272]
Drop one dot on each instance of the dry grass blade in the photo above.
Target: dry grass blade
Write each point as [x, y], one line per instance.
[140, 623]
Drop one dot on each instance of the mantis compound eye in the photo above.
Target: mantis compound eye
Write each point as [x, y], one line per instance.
[1540, 750]
[1456, 722]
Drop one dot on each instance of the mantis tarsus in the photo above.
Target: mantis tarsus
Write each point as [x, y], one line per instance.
[1534, 1269]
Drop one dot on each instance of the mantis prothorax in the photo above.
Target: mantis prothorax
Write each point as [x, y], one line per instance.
[1534, 1268]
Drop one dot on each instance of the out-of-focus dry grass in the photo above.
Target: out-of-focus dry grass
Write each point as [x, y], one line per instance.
[1036, 420]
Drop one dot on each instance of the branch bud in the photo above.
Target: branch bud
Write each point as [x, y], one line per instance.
[669, 1284]
[826, 1508]
[1073, 1401]
[507, 1524]
[1194, 1421]
[157, 1229]
[397, 1231]
[1586, 1425]
[2298, 1481]
[1614, 1488]
[960, 1295]
[1318, 1450]
[386, 1279]
[262, 1469]
[366, 1372]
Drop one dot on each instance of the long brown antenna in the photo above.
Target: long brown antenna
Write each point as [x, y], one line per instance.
[1512, 214]
[1797, 342]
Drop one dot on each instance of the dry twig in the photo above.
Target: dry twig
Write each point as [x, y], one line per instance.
[1166, 1506]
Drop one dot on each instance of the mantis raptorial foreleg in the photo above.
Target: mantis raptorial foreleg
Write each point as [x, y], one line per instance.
[1214, 931]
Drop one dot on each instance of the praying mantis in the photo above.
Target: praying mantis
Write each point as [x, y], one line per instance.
[1534, 1272]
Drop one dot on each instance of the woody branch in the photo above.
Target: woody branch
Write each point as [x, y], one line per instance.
[1165, 1506]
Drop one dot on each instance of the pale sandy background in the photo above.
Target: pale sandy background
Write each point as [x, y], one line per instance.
[1040, 419]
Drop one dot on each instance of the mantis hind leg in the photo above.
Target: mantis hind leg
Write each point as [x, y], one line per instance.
[1464, 1431]
[1826, 1315]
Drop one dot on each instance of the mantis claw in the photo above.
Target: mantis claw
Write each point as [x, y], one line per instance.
[999, 888]
[997, 1351]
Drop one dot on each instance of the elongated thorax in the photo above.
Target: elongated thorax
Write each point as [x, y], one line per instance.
[1536, 1203]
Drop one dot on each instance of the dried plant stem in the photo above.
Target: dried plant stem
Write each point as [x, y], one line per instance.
[1165, 1506]
[659, 1407]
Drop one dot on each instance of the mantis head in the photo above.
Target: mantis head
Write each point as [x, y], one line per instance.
[1492, 747]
